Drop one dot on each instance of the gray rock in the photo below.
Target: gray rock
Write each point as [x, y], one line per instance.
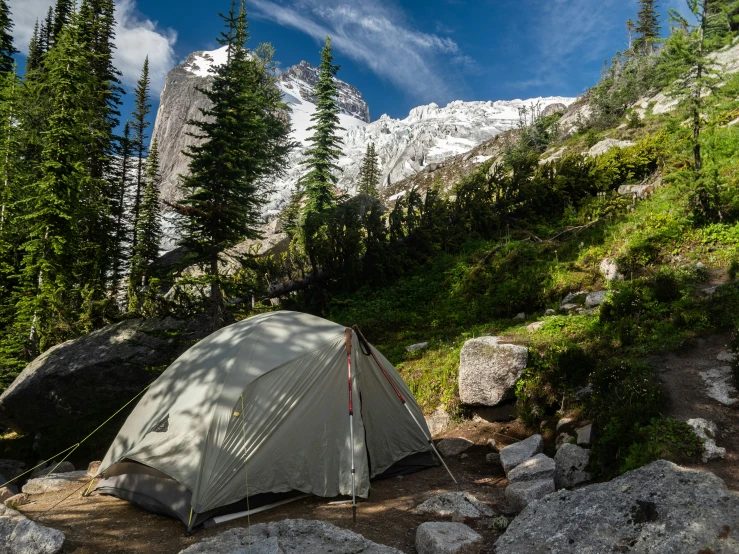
[575, 298]
[445, 537]
[489, 370]
[659, 508]
[493, 458]
[552, 109]
[641, 191]
[720, 385]
[453, 447]
[63, 467]
[520, 317]
[562, 439]
[55, 482]
[605, 145]
[30, 538]
[534, 327]
[566, 425]
[417, 347]
[710, 291]
[93, 468]
[455, 504]
[517, 453]
[538, 468]
[550, 312]
[707, 432]
[493, 445]
[97, 373]
[569, 308]
[595, 299]
[10, 469]
[519, 495]
[700, 265]
[290, 536]
[572, 461]
[610, 270]
[725, 356]
[585, 435]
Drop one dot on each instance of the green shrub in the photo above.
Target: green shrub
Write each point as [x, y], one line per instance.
[663, 439]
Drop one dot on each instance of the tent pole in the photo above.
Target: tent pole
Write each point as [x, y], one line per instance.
[351, 419]
[402, 400]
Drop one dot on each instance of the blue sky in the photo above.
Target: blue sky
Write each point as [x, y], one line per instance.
[398, 53]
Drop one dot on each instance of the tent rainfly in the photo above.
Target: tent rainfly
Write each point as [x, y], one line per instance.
[259, 411]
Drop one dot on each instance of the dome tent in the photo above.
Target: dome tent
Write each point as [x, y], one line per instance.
[259, 409]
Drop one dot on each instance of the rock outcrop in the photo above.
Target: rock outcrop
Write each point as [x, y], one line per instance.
[289, 536]
[658, 508]
[95, 375]
[489, 370]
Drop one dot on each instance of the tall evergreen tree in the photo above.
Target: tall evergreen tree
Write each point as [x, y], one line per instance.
[318, 185]
[148, 227]
[245, 144]
[47, 30]
[122, 229]
[35, 51]
[62, 12]
[369, 174]
[140, 124]
[647, 27]
[7, 50]
[51, 254]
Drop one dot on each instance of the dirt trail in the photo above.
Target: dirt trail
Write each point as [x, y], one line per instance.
[100, 524]
[680, 374]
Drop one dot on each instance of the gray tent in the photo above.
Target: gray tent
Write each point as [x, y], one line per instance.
[261, 408]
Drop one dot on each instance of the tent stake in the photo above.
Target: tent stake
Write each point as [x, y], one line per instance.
[351, 419]
[402, 400]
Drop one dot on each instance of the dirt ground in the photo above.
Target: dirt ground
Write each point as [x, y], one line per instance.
[102, 524]
[680, 375]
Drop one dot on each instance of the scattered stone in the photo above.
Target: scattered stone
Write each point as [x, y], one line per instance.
[55, 482]
[439, 421]
[464, 456]
[63, 467]
[455, 504]
[534, 327]
[519, 495]
[493, 445]
[640, 191]
[710, 291]
[700, 266]
[417, 347]
[610, 270]
[584, 392]
[725, 356]
[585, 435]
[577, 298]
[11, 469]
[605, 145]
[658, 508]
[453, 447]
[562, 439]
[569, 308]
[517, 453]
[489, 370]
[595, 299]
[707, 432]
[572, 461]
[493, 458]
[538, 468]
[720, 385]
[445, 537]
[550, 312]
[7, 492]
[289, 536]
[566, 425]
[520, 317]
[17, 500]
[93, 468]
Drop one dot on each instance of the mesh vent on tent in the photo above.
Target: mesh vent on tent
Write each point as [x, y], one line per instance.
[162, 426]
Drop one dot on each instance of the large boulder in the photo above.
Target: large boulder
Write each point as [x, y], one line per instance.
[489, 370]
[537, 468]
[521, 494]
[56, 482]
[446, 537]
[78, 382]
[517, 453]
[10, 469]
[456, 504]
[572, 463]
[289, 536]
[20, 535]
[453, 446]
[658, 508]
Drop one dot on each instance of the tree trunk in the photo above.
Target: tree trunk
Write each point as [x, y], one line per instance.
[216, 296]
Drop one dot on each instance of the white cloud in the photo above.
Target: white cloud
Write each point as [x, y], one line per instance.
[136, 37]
[376, 35]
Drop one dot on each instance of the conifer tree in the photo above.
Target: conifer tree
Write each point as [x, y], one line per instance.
[33, 61]
[319, 182]
[62, 11]
[148, 227]
[47, 30]
[245, 144]
[50, 280]
[9, 93]
[7, 50]
[122, 230]
[369, 174]
[140, 124]
[647, 27]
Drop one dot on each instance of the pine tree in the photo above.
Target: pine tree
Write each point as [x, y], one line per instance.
[122, 229]
[140, 124]
[62, 11]
[7, 51]
[33, 61]
[47, 30]
[647, 27]
[369, 174]
[9, 94]
[245, 144]
[319, 182]
[51, 252]
[148, 228]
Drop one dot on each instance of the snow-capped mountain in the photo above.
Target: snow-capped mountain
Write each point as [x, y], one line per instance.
[430, 134]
